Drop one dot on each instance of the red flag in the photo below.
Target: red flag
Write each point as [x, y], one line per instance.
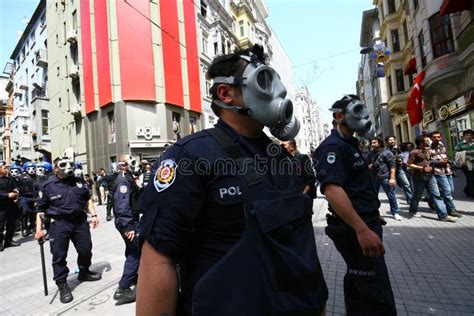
[415, 101]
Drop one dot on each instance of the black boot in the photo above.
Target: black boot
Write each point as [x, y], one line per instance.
[124, 296]
[12, 243]
[24, 226]
[87, 275]
[1, 246]
[65, 295]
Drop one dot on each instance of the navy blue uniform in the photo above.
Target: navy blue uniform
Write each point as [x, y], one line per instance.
[8, 210]
[241, 233]
[126, 220]
[25, 185]
[367, 288]
[64, 201]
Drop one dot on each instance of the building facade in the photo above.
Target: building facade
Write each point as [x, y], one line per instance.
[224, 25]
[444, 49]
[372, 86]
[29, 121]
[396, 31]
[125, 77]
[308, 112]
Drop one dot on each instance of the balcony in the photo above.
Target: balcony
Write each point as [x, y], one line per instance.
[76, 109]
[23, 85]
[72, 37]
[73, 72]
[41, 58]
[39, 91]
[397, 103]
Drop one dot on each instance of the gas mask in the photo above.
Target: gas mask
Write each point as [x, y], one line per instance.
[29, 168]
[40, 171]
[264, 98]
[356, 116]
[66, 167]
[15, 172]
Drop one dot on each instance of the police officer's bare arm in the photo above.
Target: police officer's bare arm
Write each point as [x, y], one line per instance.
[370, 243]
[157, 288]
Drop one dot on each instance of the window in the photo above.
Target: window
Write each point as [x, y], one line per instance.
[216, 48]
[395, 41]
[421, 43]
[392, 8]
[400, 81]
[441, 35]
[410, 80]
[405, 32]
[203, 8]
[45, 122]
[33, 39]
[112, 126]
[74, 20]
[204, 44]
[241, 27]
[64, 31]
[415, 4]
[390, 89]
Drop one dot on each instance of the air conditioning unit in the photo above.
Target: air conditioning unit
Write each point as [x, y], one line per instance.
[72, 37]
[76, 109]
[73, 72]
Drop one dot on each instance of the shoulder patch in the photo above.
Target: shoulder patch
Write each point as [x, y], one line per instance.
[331, 157]
[79, 184]
[40, 194]
[165, 174]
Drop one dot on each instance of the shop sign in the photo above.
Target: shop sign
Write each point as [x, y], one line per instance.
[428, 117]
[444, 112]
[147, 132]
[451, 108]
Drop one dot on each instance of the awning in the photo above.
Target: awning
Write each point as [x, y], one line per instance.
[411, 67]
[453, 6]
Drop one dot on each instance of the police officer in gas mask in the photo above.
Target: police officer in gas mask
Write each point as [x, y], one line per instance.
[240, 232]
[354, 224]
[64, 200]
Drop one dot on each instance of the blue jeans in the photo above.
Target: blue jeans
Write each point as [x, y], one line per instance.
[390, 191]
[404, 184]
[420, 182]
[445, 187]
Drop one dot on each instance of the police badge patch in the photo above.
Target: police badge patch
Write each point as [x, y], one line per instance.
[79, 185]
[40, 194]
[331, 158]
[123, 189]
[165, 175]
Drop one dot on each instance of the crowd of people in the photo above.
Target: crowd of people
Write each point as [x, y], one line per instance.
[206, 232]
[415, 168]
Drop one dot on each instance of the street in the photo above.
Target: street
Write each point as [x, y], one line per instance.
[430, 265]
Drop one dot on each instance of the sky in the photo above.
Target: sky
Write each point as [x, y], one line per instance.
[13, 15]
[321, 38]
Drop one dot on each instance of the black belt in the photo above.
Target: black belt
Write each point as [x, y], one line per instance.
[366, 217]
[72, 216]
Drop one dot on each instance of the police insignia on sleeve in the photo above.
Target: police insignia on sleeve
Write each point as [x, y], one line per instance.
[331, 158]
[123, 189]
[79, 185]
[40, 194]
[165, 175]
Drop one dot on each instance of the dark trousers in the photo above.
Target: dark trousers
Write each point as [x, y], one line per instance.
[60, 233]
[469, 188]
[8, 221]
[28, 215]
[132, 260]
[367, 289]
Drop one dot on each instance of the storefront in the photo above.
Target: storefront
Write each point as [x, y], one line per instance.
[451, 119]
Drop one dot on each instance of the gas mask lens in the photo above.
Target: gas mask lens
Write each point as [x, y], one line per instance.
[264, 80]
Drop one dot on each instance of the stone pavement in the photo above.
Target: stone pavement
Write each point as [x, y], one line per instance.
[431, 266]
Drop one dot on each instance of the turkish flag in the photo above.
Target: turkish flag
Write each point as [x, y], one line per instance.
[415, 101]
